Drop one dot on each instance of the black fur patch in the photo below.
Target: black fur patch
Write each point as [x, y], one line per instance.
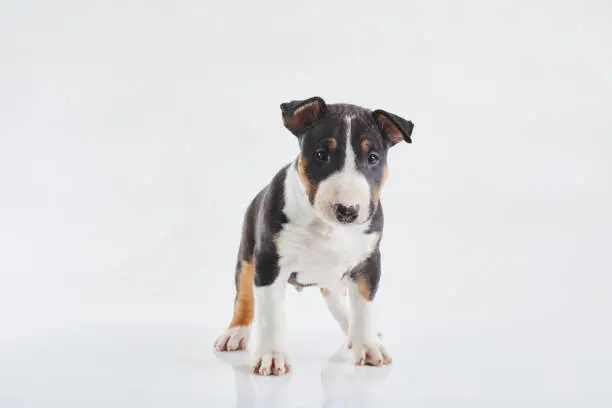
[263, 220]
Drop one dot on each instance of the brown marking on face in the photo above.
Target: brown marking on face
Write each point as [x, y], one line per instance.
[384, 177]
[303, 176]
[333, 144]
[376, 194]
[244, 303]
[310, 189]
[325, 292]
[365, 146]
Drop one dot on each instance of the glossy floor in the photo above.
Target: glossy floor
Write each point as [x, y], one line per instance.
[131, 365]
[133, 135]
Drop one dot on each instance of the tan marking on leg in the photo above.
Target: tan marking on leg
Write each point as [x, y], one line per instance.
[364, 288]
[244, 304]
[325, 292]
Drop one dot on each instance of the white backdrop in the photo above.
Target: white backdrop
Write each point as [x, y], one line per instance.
[133, 134]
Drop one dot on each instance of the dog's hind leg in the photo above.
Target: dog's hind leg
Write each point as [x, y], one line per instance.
[236, 336]
[336, 303]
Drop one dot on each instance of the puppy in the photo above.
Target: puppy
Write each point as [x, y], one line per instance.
[317, 223]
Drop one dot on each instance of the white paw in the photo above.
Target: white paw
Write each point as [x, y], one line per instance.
[373, 355]
[350, 344]
[233, 339]
[272, 363]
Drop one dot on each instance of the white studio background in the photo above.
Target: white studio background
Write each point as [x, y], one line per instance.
[134, 133]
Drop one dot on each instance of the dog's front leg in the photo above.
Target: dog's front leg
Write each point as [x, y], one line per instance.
[366, 344]
[270, 354]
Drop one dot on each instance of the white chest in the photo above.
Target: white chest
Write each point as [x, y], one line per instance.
[320, 254]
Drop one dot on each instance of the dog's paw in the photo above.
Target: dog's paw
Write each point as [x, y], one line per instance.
[271, 363]
[372, 355]
[233, 339]
[350, 344]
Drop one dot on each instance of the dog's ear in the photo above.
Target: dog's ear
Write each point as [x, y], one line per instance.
[300, 115]
[393, 128]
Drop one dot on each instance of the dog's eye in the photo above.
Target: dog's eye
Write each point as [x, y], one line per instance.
[373, 158]
[322, 155]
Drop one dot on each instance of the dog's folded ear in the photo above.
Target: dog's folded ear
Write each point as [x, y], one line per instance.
[393, 128]
[299, 115]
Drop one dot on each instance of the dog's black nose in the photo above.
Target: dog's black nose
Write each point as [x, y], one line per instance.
[346, 214]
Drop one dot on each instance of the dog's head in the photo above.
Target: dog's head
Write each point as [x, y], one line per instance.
[343, 158]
